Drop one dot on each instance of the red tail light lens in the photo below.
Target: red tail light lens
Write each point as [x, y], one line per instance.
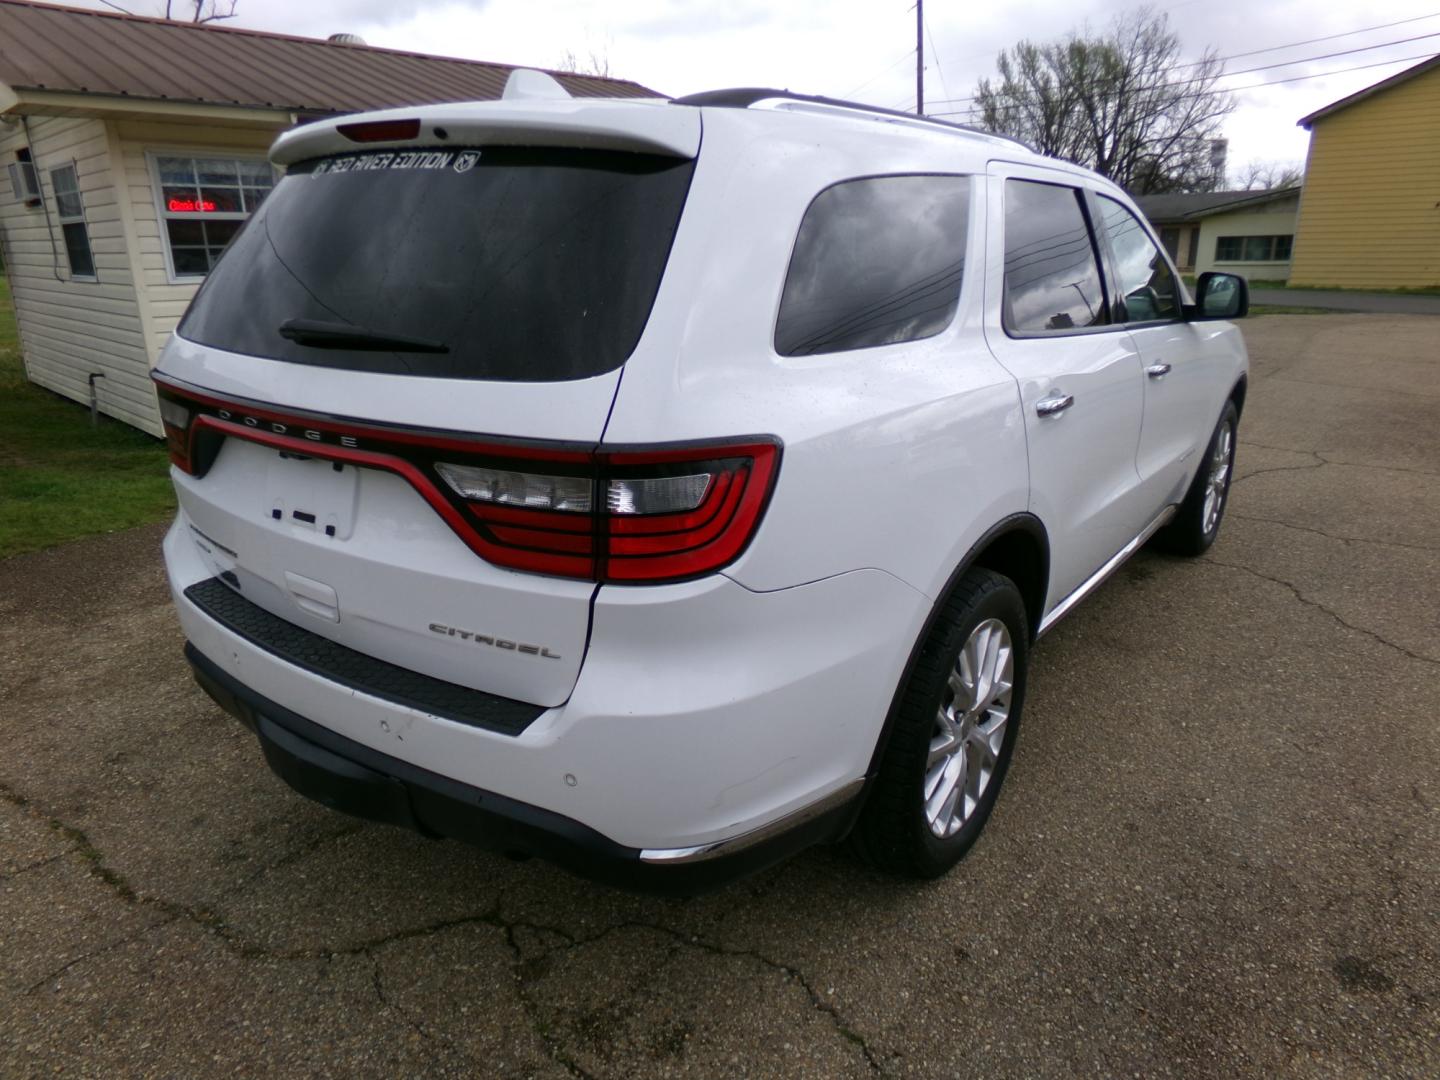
[664, 515]
[175, 416]
[638, 516]
[380, 130]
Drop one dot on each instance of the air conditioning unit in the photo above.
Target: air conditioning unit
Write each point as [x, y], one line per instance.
[25, 182]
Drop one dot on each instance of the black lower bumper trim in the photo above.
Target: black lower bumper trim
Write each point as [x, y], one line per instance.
[355, 779]
[338, 663]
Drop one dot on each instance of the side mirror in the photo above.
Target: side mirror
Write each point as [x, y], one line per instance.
[1219, 296]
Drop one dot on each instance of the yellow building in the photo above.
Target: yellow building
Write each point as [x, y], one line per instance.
[1370, 213]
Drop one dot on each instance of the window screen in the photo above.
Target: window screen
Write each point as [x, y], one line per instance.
[203, 203]
[1052, 277]
[70, 210]
[877, 261]
[1146, 282]
[23, 180]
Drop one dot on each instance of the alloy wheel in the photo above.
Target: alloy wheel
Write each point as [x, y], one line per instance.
[1215, 486]
[969, 728]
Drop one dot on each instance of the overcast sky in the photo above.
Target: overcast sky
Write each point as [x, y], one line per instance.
[865, 49]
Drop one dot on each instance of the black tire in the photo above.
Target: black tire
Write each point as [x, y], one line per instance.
[1187, 533]
[893, 832]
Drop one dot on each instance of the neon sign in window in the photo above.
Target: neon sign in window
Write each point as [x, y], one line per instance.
[191, 206]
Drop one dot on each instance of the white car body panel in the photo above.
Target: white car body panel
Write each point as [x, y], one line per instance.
[690, 722]
[381, 606]
[572, 411]
[860, 428]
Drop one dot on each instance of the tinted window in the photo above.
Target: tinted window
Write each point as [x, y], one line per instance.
[1253, 248]
[1052, 277]
[876, 261]
[525, 264]
[1146, 282]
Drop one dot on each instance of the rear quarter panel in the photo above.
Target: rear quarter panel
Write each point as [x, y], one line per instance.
[896, 457]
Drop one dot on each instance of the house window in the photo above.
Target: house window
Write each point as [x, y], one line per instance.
[1253, 248]
[203, 203]
[71, 211]
[23, 180]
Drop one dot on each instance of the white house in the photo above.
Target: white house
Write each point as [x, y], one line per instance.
[1250, 233]
[135, 148]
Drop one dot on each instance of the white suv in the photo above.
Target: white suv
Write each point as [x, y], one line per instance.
[661, 487]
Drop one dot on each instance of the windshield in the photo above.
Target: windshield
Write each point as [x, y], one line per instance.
[504, 263]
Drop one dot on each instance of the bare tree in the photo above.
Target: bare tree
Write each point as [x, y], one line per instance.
[1119, 103]
[1263, 175]
[202, 11]
[191, 11]
[594, 62]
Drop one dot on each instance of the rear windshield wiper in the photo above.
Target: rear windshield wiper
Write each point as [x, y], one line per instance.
[333, 335]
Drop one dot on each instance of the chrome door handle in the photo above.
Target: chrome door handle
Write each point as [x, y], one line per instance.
[1051, 406]
[1158, 371]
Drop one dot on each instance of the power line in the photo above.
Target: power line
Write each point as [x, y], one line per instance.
[1253, 86]
[936, 54]
[1263, 67]
[883, 71]
[1327, 37]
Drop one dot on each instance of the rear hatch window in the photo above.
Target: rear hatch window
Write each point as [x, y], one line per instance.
[497, 263]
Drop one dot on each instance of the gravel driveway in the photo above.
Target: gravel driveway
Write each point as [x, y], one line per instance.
[1218, 852]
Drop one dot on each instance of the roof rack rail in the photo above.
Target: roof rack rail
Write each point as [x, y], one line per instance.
[742, 97]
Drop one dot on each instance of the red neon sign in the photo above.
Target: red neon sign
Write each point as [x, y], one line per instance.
[191, 206]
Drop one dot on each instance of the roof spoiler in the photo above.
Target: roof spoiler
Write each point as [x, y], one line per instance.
[535, 111]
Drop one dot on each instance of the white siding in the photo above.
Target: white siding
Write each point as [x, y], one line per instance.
[1268, 219]
[71, 329]
[164, 299]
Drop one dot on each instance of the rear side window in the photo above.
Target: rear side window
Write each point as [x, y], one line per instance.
[503, 263]
[1145, 278]
[877, 261]
[1052, 275]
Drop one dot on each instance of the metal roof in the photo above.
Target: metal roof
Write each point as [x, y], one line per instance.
[73, 50]
[1374, 88]
[1188, 207]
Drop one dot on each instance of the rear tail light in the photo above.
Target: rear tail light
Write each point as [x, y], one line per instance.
[175, 416]
[640, 516]
[504, 487]
[667, 514]
[657, 494]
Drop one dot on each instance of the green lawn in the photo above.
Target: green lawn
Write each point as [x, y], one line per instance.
[60, 479]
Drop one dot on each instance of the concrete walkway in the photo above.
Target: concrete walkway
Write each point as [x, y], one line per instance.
[1376, 303]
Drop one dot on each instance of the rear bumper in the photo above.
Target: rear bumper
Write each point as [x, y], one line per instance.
[704, 715]
[355, 779]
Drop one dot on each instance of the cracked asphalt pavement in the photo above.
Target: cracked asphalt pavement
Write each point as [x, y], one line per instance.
[1217, 852]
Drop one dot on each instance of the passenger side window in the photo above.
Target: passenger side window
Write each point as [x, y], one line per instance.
[876, 261]
[1146, 281]
[1052, 275]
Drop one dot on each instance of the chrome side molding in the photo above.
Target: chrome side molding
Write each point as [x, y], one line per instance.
[1096, 579]
[715, 849]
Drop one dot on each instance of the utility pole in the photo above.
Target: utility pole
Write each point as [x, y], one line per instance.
[919, 57]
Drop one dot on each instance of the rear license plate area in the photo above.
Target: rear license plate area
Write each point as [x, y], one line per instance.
[311, 494]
